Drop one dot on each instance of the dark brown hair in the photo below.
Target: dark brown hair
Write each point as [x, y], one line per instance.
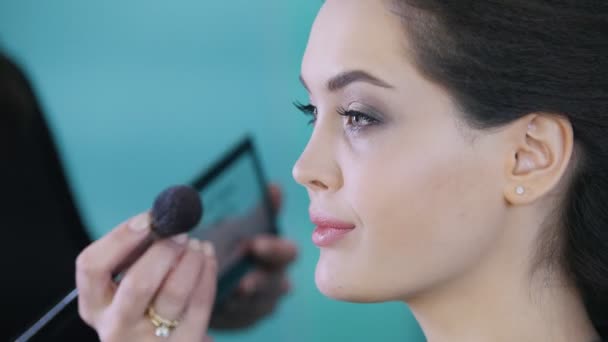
[503, 59]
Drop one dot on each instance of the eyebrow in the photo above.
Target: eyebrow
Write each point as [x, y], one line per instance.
[343, 79]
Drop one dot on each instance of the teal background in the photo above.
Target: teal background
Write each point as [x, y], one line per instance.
[142, 94]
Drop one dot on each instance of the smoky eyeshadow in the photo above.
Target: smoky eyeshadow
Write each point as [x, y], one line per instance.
[367, 109]
[368, 101]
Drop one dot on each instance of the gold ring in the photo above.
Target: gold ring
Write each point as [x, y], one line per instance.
[163, 326]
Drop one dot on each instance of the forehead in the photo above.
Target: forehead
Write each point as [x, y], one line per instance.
[354, 34]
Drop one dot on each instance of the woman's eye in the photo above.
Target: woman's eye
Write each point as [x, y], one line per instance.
[354, 120]
[308, 110]
[357, 120]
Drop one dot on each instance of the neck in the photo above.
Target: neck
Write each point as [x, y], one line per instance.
[502, 300]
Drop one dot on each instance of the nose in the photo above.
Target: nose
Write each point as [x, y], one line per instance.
[317, 168]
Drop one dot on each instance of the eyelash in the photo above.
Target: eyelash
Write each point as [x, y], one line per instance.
[351, 115]
[308, 110]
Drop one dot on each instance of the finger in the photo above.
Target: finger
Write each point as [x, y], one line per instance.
[196, 318]
[273, 251]
[257, 280]
[145, 277]
[264, 282]
[96, 263]
[276, 196]
[208, 339]
[251, 282]
[172, 298]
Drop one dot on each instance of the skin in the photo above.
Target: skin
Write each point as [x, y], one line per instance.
[439, 222]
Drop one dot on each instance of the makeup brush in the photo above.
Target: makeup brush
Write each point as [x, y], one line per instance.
[176, 210]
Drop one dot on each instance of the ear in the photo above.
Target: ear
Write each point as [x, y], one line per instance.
[542, 150]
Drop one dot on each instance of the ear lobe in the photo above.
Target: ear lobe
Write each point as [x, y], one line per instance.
[542, 152]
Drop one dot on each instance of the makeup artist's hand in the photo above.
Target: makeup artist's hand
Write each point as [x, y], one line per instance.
[261, 289]
[176, 277]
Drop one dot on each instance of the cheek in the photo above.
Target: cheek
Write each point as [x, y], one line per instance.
[426, 210]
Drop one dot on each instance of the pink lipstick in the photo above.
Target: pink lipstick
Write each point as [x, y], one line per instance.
[329, 230]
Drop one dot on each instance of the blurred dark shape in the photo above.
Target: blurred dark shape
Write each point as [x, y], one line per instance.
[176, 210]
[41, 226]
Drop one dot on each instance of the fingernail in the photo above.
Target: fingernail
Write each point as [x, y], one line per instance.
[180, 239]
[207, 248]
[194, 245]
[140, 222]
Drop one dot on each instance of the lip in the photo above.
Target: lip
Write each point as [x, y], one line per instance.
[329, 230]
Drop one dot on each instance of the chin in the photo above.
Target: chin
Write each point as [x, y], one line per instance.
[347, 280]
[341, 283]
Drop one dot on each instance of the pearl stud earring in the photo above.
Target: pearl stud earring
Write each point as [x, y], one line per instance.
[520, 190]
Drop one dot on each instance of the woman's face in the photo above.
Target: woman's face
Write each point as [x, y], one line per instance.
[422, 190]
